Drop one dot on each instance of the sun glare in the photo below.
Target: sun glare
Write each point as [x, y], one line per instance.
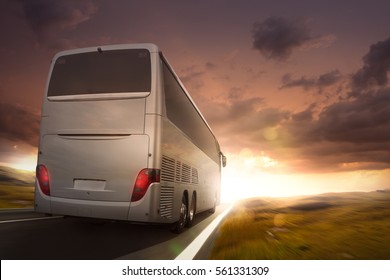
[27, 163]
[249, 176]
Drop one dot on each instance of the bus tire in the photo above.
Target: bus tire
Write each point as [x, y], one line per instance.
[181, 223]
[191, 211]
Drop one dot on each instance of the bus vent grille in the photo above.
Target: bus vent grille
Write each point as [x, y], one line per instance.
[166, 202]
[176, 171]
[186, 173]
[194, 176]
[167, 169]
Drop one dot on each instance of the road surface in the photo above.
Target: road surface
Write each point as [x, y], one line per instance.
[28, 235]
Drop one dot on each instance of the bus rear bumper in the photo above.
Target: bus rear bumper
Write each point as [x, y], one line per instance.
[86, 208]
[144, 211]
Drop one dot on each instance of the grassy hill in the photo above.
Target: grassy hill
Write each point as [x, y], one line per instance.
[16, 188]
[328, 226]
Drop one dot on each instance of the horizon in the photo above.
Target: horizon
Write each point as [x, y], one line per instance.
[226, 195]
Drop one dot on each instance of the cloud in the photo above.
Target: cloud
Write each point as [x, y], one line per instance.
[243, 122]
[47, 17]
[329, 78]
[324, 80]
[193, 78]
[277, 37]
[330, 135]
[350, 134]
[305, 83]
[210, 66]
[363, 120]
[234, 108]
[19, 124]
[376, 67]
[347, 135]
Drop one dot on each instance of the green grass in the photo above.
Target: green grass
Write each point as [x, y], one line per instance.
[328, 226]
[12, 196]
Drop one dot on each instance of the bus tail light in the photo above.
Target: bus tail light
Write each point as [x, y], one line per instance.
[145, 177]
[43, 179]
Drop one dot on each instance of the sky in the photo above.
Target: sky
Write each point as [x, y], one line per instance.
[297, 92]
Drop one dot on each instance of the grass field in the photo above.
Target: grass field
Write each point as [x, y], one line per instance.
[12, 196]
[16, 188]
[329, 226]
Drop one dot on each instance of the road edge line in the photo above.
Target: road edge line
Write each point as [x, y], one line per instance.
[30, 219]
[193, 248]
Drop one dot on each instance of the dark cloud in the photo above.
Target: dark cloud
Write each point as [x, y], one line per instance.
[277, 37]
[329, 78]
[324, 80]
[305, 83]
[19, 124]
[304, 116]
[350, 134]
[363, 120]
[47, 17]
[376, 67]
[353, 134]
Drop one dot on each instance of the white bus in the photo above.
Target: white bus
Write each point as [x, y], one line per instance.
[121, 139]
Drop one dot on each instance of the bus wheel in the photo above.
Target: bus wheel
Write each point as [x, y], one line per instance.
[191, 211]
[180, 224]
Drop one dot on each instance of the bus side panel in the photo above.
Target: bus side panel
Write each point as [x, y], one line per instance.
[187, 156]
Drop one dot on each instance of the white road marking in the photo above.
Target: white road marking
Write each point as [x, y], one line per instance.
[190, 252]
[17, 210]
[31, 219]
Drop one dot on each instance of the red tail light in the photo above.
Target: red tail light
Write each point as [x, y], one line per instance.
[145, 177]
[43, 179]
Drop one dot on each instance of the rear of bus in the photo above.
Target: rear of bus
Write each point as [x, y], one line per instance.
[98, 143]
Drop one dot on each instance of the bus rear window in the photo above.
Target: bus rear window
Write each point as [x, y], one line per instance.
[109, 71]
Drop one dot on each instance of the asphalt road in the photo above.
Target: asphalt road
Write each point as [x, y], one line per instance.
[27, 235]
